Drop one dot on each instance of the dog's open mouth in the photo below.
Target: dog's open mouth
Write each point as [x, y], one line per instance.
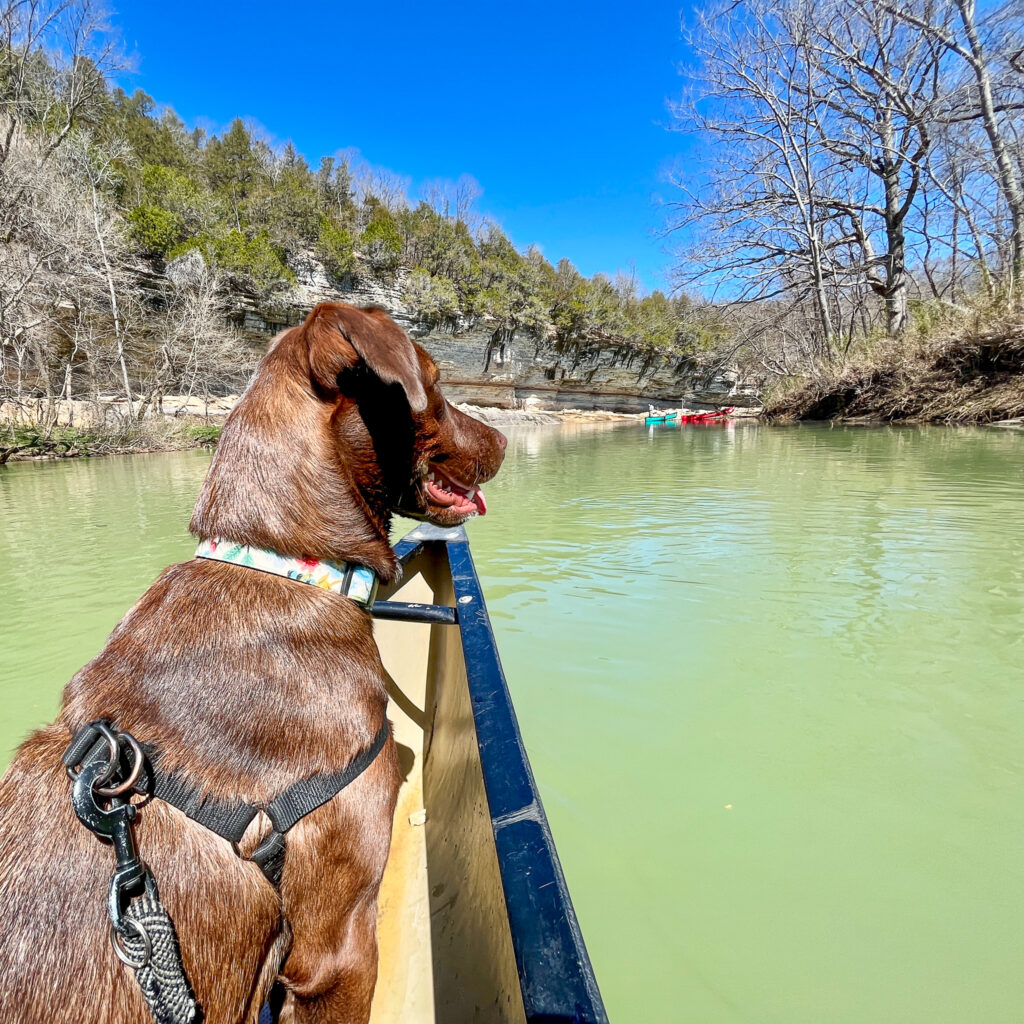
[464, 499]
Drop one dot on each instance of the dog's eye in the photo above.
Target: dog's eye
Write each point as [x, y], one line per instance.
[442, 457]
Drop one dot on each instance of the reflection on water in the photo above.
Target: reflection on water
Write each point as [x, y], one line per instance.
[769, 680]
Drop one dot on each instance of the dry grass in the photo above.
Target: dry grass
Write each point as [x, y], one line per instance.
[976, 376]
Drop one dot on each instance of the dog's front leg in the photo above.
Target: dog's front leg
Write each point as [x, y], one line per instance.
[332, 872]
[334, 986]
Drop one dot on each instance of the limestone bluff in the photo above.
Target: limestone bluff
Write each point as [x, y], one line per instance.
[483, 364]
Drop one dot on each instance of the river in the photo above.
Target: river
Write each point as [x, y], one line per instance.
[770, 680]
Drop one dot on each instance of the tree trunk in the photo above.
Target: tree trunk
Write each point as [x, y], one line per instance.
[895, 278]
[1009, 177]
[895, 262]
[115, 311]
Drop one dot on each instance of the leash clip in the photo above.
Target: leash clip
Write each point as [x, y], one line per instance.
[114, 822]
[141, 931]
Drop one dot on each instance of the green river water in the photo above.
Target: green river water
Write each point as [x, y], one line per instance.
[771, 682]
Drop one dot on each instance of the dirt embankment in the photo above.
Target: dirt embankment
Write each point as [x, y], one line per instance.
[538, 417]
[974, 379]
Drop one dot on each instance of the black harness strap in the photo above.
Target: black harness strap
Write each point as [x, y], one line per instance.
[300, 799]
[230, 818]
[288, 809]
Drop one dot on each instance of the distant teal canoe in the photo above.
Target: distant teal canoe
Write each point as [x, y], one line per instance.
[650, 420]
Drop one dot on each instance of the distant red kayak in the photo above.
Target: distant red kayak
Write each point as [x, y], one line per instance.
[707, 417]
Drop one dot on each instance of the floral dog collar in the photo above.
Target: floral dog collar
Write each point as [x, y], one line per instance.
[352, 581]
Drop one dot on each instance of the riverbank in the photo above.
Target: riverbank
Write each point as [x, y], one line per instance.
[20, 443]
[977, 378]
[498, 417]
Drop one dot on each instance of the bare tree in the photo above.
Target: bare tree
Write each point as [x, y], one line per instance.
[198, 355]
[985, 102]
[756, 229]
[857, 153]
[880, 83]
[54, 56]
[54, 59]
[94, 167]
[453, 200]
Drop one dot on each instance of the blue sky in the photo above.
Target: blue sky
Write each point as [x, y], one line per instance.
[557, 109]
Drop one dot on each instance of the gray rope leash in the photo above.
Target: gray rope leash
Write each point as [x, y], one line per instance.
[147, 938]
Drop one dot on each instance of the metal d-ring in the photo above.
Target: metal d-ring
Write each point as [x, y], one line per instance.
[115, 752]
[133, 775]
[147, 950]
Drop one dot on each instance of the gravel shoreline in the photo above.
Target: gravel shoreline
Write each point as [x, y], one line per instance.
[497, 417]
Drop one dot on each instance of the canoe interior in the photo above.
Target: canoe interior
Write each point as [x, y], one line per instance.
[475, 921]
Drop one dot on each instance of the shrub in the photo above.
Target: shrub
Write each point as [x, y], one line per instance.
[205, 434]
[434, 299]
[154, 230]
[381, 241]
[252, 259]
[334, 249]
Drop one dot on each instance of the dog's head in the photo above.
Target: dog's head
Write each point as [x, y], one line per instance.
[430, 458]
[344, 424]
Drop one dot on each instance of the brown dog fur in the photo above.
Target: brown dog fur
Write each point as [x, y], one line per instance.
[247, 682]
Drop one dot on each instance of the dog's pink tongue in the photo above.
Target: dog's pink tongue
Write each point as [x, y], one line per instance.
[480, 501]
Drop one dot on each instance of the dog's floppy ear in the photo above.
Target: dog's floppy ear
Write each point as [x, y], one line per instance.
[339, 336]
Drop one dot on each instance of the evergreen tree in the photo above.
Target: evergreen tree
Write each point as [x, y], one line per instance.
[232, 168]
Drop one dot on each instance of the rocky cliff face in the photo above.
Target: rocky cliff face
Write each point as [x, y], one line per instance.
[480, 368]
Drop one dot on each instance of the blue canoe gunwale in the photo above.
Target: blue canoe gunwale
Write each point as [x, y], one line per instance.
[555, 979]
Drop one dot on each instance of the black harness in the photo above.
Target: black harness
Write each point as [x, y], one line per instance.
[227, 818]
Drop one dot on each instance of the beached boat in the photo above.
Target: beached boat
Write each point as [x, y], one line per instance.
[475, 921]
[707, 417]
[667, 418]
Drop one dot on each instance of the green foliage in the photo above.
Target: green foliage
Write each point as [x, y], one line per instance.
[435, 299]
[381, 240]
[927, 317]
[567, 300]
[203, 434]
[334, 190]
[203, 242]
[154, 230]
[441, 246]
[334, 249]
[254, 260]
[172, 210]
[161, 142]
[176, 191]
[229, 162]
[509, 285]
[285, 205]
[56, 441]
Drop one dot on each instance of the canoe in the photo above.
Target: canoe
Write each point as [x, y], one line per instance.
[649, 420]
[708, 417]
[475, 922]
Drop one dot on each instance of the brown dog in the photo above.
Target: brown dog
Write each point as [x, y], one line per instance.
[248, 682]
